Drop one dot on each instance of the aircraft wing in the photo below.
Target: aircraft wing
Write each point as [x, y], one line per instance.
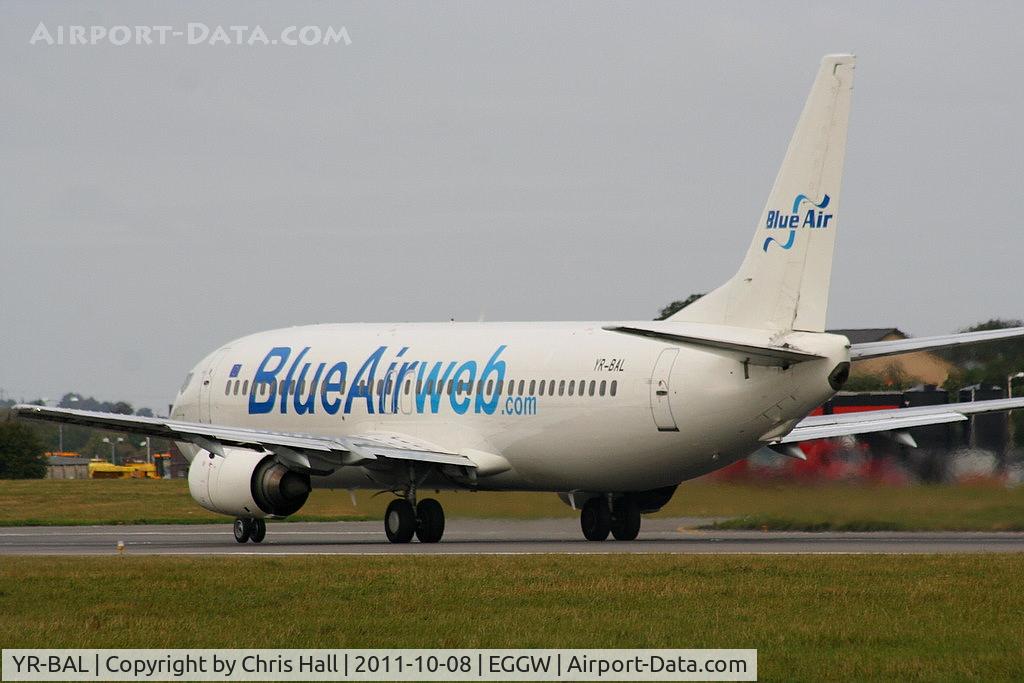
[318, 454]
[865, 422]
[890, 348]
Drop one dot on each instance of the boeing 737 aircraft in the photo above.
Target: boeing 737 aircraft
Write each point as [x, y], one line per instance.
[611, 415]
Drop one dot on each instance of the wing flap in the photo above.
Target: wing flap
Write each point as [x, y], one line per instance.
[865, 422]
[826, 431]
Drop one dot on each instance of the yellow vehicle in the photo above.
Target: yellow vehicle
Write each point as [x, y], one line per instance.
[101, 469]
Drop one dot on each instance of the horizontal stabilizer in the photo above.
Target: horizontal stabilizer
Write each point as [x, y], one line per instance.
[891, 348]
[756, 354]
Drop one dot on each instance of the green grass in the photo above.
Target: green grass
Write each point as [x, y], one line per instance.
[747, 506]
[810, 617]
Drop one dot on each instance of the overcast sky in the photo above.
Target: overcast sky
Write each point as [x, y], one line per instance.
[467, 160]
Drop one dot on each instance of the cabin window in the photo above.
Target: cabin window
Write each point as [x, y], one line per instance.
[451, 385]
[408, 386]
[592, 383]
[490, 386]
[551, 388]
[543, 384]
[522, 387]
[572, 386]
[582, 387]
[533, 387]
[614, 386]
[236, 388]
[227, 388]
[245, 388]
[602, 388]
[561, 388]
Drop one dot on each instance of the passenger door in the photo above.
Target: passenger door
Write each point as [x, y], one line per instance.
[207, 390]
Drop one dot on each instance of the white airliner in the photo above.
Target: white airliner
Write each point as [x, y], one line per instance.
[611, 415]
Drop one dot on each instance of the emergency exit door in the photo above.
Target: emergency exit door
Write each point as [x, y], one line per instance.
[661, 405]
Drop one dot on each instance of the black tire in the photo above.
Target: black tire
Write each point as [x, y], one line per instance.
[259, 531]
[400, 521]
[596, 519]
[242, 529]
[625, 519]
[429, 521]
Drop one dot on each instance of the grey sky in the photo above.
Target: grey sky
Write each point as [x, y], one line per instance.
[511, 161]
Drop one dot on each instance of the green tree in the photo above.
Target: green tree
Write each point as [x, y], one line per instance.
[21, 454]
[677, 306]
[990, 363]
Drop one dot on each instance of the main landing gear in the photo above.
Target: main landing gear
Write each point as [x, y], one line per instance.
[254, 530]
[406, 518]
[425, 520]
[602, 515]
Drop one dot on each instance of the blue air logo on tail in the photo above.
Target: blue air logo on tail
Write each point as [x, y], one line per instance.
[814, 218]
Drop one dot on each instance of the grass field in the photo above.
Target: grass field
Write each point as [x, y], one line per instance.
[810, 617]
[770, 506]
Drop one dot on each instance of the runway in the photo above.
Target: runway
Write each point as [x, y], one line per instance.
[486, 537]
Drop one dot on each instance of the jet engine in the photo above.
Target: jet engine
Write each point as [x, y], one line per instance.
[246, 484]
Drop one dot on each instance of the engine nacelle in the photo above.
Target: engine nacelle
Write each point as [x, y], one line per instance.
[245, 483]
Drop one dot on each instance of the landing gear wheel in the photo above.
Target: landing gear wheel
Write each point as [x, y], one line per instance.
[242, 529]
[429, 521]
[596, 519]
[400, 521]
[625, 519]
[259, 531]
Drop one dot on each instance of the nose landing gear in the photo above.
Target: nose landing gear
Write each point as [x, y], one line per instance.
[254, 530]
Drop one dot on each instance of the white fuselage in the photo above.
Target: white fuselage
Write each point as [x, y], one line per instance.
[650, 414]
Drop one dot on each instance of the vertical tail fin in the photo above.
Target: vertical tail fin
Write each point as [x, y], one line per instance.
[784, 279]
